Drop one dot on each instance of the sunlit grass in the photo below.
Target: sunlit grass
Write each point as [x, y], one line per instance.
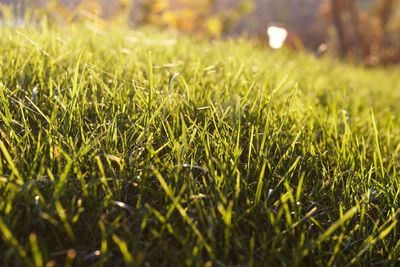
[248, 157]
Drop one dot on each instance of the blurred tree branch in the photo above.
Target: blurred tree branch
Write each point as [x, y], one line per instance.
[369, 35]
[383, 11]
[337, 20]
[356, 28]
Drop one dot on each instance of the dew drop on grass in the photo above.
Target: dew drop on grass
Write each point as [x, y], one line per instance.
[92, 255]
[269, 193]
[198, 196]
[34, 92]
[346, 114]
[122, 205]
[171, 82]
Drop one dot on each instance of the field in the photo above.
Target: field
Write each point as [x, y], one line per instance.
[142, 148]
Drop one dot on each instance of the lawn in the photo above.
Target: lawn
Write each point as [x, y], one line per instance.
[142, 148]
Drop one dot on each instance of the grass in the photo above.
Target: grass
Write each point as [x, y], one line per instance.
[247, 157]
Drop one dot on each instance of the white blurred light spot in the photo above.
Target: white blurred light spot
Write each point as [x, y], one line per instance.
[277, 36]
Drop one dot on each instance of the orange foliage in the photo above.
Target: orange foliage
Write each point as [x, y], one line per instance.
[198, 17]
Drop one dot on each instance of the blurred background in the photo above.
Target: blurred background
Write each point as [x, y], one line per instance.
[367, 31]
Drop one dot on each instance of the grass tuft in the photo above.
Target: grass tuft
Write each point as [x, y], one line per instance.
[248, 157]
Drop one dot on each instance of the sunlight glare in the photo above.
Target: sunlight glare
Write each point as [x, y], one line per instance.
[277, 36]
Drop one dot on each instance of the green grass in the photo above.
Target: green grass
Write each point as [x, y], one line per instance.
[247, 157]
